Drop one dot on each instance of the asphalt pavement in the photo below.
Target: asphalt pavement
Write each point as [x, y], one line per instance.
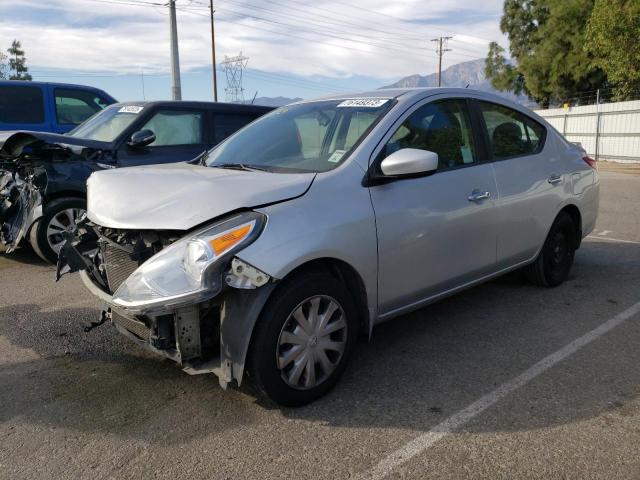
[505, 380]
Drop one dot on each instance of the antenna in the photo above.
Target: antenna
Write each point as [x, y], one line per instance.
[233, 68]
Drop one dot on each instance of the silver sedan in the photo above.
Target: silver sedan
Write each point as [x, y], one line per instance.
[272, 253]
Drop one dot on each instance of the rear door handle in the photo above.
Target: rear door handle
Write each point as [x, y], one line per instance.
[554, 179]
[477, 196]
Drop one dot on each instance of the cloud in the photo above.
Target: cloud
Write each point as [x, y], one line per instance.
[328, 38]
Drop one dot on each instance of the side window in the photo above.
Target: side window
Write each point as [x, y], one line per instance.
[226, 124]
[442, 127]
[175, 128]
[511, 133]
[21, 105]
[74, 106]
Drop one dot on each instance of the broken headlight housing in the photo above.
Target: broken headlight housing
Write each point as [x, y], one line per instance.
[191, 269]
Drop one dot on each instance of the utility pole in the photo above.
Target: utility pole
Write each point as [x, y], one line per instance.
[176, 90]
[440, 50]
[213, 54]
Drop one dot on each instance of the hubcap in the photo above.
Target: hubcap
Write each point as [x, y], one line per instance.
[559, 250]
[63, 221]
[312, 342]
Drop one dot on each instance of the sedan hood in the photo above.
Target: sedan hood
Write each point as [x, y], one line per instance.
[180, 196]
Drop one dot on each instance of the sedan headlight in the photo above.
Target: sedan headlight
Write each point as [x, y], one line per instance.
[189, 270]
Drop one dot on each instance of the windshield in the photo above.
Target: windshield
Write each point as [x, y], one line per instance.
[309, 137]
[107, 125]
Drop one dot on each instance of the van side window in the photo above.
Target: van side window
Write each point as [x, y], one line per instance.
[442, 127]
[74, 106]
[175, 128]
[20, 104]
[511, 133]
[226, 124]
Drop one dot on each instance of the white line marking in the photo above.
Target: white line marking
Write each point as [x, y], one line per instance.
[615, 240]
[603, 233]
[426, 440]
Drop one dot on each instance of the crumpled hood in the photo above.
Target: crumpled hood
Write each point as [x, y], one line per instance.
[179, 196]
[12, 140]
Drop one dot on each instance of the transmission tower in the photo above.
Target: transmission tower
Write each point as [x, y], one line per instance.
[233, 67]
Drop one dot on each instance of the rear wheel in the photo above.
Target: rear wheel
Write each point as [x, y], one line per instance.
[554, 262]
[303, 339]
[58, 216]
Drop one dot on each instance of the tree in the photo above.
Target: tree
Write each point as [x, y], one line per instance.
[612, 38]
[17, 62]
[546, 39]
[3, 66]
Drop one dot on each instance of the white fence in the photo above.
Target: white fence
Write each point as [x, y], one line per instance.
[609, 131]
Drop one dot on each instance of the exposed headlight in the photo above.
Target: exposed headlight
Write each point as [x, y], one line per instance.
[189, 270]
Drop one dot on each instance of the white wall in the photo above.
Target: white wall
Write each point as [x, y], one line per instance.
[617, 135]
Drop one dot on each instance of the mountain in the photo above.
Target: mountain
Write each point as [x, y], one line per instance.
[459, 75]
[275, 101]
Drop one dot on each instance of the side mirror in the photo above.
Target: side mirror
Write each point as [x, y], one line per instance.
[142, 138]
[409, 162]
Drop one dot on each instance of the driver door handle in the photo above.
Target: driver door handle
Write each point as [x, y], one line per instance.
[477, 196]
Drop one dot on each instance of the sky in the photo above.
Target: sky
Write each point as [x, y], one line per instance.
[295, 48]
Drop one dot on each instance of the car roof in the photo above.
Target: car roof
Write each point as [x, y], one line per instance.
[418, 93]
[23, 83]
[220, 106]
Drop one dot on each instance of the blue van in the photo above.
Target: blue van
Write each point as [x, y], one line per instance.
[48, 107]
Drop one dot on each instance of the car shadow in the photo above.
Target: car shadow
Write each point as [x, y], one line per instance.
[415, 372]
[23, 255]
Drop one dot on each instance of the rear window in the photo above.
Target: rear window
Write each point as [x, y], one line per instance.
[21, 104]
[511, 133]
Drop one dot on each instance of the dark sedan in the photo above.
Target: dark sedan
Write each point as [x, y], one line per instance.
[121, 135]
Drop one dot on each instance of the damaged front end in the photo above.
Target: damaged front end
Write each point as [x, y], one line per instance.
[27, 160]
[185, 296]
[21, 184]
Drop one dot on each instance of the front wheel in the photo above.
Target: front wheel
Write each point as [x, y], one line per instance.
[554, 262]
[58, 216]
[303, 339]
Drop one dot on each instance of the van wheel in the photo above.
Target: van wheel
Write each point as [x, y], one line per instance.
[554, 262]
[303, 339]
[58, 216]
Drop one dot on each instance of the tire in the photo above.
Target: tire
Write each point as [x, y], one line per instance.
[270, 368]
[554, 262]
[57, 215]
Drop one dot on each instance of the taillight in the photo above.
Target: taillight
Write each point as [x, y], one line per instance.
[591, 162]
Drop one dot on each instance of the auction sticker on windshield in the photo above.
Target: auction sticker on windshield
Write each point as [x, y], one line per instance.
[130, 109]
[364, 102]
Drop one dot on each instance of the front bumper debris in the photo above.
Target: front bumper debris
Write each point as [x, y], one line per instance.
[208, 337]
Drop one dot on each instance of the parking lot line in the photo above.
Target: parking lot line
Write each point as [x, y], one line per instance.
[426, 440]
[615, 240]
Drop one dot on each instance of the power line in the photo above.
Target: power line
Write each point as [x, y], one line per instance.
[383, 42]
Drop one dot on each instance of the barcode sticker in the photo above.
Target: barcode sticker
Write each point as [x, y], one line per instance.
[366, 102]
[130, 109]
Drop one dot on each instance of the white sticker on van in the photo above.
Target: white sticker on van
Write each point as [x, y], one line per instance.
[366, 102]
[130, 109]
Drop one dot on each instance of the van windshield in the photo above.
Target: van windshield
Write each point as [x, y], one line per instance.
[308, 137]
[108, 124]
